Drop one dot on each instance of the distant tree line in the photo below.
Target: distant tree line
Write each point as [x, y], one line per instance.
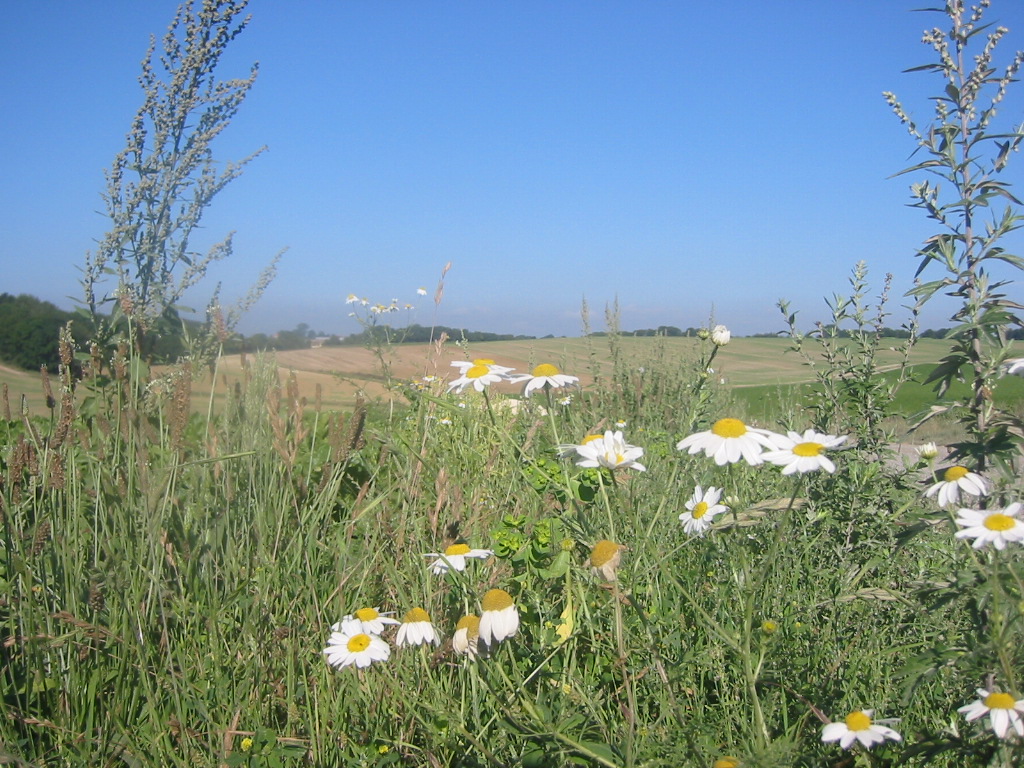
[29, 328]
[418, 334]
[28, 331]
[661, 330]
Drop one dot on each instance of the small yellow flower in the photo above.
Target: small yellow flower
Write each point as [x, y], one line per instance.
[726, 761]
[564, 630]
[383, 749]
[246, 744]
[769, 627]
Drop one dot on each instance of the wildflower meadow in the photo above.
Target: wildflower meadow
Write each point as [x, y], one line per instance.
[616, 565]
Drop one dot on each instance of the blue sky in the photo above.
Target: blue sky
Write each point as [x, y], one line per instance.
[681, 157]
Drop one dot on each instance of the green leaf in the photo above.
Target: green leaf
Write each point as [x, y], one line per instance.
[1009, 258]
[558, 566]
[603, 751]
[927, 290]
[926, 67]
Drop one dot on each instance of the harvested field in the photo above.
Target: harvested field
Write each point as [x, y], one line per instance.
[344, 372]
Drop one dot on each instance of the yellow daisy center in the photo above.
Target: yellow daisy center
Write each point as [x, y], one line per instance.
[359, 643]
[999, 701]
[496, 600]
[954, 473]
[858, 721]
[469, 623]
[700, 510]
[591, 438]
[477, 371]
[602, 552]
[416, 614]
[999, 522]
[457, 549]
[726, 762]
[808, 449]
[483, 361]
[367, 614]
[729, 428]
[545, 369]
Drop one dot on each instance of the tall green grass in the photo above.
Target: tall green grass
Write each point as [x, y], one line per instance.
[170, 580]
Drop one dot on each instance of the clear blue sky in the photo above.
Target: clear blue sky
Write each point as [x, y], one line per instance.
[679, 156]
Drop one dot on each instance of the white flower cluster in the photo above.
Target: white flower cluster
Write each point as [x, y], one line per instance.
[357, 640]
[482, 372]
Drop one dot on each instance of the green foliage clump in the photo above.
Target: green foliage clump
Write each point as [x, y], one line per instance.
[967, 147]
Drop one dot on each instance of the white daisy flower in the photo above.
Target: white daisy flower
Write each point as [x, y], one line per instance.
[370, 621]
[701, 510]
[499, 618]
[858, 726]
[348, 647]
[928, 451]
[466, 639]
[802, 453]
[610, 451]
[352, 299]
[544, 376]
[1003, 712]
[728, 441]
[720, 335]
[480, 373]
[605, 558]
[572, 450]
[421, 291]
[991, 526]
[479, 376]
[490, 365]
[417, 629]
[454, 556]
[954, 480]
